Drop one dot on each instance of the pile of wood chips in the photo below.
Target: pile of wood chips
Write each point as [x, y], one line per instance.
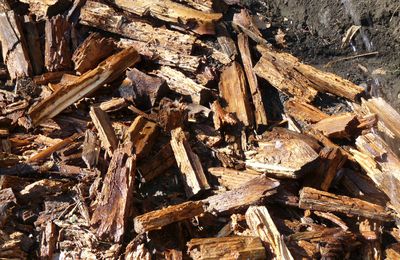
[159, 129]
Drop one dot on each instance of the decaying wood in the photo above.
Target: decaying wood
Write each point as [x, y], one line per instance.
[262, 225]
[259, 108]
[92, 51]
[106, 71]
[393, 251]
[159, 218]
[41, 8]
[237, 247]
[189, 163]
[11, 246]
[227, 44]
[201, 5]
[90, 149]
[324, 201]
[142, 133]
[158, 164]
[13, 45]
[289, 75]
[221, 117]
[106, 132]
[244, 22]
[40, 189]
[231, 178]
[304, 112]
[49, 77]
[48, 242]
[113, 104]
[233, 89]
[32, 37]
[115, 200]
[338, 126]
[247, 194]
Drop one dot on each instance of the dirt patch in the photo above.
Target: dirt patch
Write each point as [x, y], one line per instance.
[314, 30]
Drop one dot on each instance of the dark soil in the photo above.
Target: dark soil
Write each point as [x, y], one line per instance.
[314, 30]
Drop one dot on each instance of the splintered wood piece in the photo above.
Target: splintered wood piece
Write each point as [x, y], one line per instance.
[304, 112]
[42, 8]
[189, 163]
[142, 89]
[178, 82]
[142, 133]
[92, 51]
[58, 37]
[90, 149]
[159, 218]
[244, 22]
[33, 42]
[233, 90]
[41, 189]
[169, 11]
[231, 178]
[225, 41]
[392, 252]
[371, 234]
[49, 77]
[4, 6]
[338, 126]
[221, 117]
[113, 104]
[262, 225]
[157, 164]
[286, 73]
[106, 132]
[48, 242]
[284, 158]
[13, 45]
[114, 203]
[95, 14]
[7, 199]
[259, 108]
[247, 194]
[237, 247]
[85, 84]
[381, 165]
[54, 148]
[324, 201]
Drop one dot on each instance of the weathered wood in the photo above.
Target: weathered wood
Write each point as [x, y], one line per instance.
[40, 189]
[48, 241]
[71, 92]
[114, 203]
[32, 37]
[42, 8]
[113, 104]
[49, 77]
[13, 45]
[205, 6]
[92, 51]
[392, 252]
[189, 163]
[304, 112]
[286, 73]
[90, 149]
[157, 164]
[247, 194]
[221, 117]
[262, 225]
[225, 41]
[58, 38]
[338, 126]
[142, 133]
[231, 178]
[237, 247]
[159, 218]
[233, 90]
[104, 128]
[324, 201]
[7, 199]
[243, 22]
[259, 108]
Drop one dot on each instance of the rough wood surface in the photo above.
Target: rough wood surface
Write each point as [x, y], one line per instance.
[304, 112]
[189, 163]
[41, 8]
[324, 201]
[32, 37]
[142, 133]
[106, 71]
[48, 242]
[244, 22]
[104, 128]
[338, 126]
[159, 218]
[233, 89]
[231, 178]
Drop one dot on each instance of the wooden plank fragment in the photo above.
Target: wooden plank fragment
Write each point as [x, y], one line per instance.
[304, 112]
[189, 163]
[48, 241]
[259, 108]
[32, 37]
[244, 22]
[247, 194]
[237, 247]
[233, 90]
[231, 178]
[106, 132]
[90, 149]
[87, 83]
[142, 133]
[338, 126]
[205, 6]
[157, 164]
[262, 225]
[114, 203]
[324, 201]
[157, 219]
[13, 45]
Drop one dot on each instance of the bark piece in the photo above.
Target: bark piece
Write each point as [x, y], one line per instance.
[231, 178]
[247, 194]
[42, 8]
[157, 219]
[48, 242]
[90, 149]
[324, 201]
[142, 133]
[221, 117]
[189, 163]
[87, 83]
[58, 37]
[183, 85]
[237, 247]
[233, 90]
[338, 126]
[49, 77]
[92, 51]
[259, 108]
[33, 42]
[225, 41]
[113, 104]
[284, 158]
[286, 73]
[169, 11]
[40, 189]
[13, 45]
[106, 132]
[244, 22]
[7, 199]
[304, 112]
[262, 225]
[114, 203]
